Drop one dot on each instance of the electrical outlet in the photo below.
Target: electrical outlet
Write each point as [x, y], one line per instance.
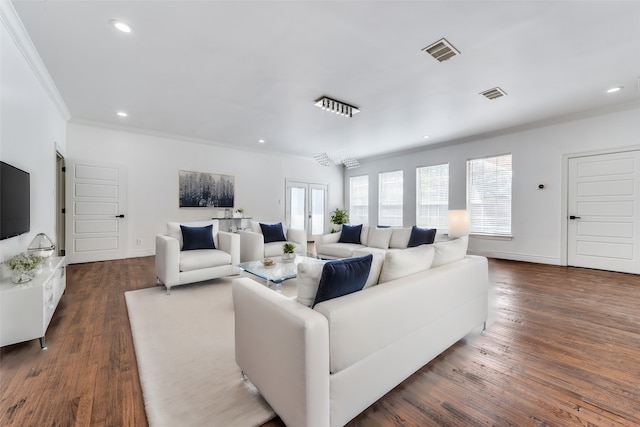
[138, 242]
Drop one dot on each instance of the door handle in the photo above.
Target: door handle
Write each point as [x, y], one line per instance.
[120, 216]
[574, 217]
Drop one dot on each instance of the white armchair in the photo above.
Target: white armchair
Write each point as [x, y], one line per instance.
[175, 266]
[253, 247]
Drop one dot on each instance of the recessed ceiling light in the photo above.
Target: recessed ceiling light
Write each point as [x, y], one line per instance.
[121, 26]
[122, 114]
[261, 141]
[425, 136]
[615, 89]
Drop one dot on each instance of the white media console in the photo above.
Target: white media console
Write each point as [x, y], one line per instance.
[26, 309]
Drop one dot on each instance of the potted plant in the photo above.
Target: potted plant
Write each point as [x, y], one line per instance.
[23, 267]
[288, 252]
[339, 217]
[239, 213]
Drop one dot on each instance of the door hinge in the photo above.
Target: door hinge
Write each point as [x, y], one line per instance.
[64, 169]
[62, 252]
[64, 211]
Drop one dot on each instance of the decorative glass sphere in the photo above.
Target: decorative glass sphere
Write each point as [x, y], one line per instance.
[42, 246]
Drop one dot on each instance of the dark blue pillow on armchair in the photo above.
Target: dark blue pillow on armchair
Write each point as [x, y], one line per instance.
[197, 237]
[273, 232]
[421, 236]
[342, 277]
[350, 234]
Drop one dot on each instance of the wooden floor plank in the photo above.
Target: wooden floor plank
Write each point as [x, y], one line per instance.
[562, 349]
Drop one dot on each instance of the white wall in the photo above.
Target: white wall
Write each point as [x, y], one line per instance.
[152, 163]
[32, 123]
[537, 159]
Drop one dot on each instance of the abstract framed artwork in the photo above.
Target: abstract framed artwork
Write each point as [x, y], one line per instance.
[205, 190]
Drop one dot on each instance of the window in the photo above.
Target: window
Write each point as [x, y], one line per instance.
[359, 199]
[390, 198]
[432, 197]
[489, 195]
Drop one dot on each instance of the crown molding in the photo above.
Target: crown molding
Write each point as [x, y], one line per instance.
[15, 28]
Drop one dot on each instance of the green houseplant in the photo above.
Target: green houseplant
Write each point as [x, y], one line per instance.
[339, 217]
[288, 252]
[23, 267]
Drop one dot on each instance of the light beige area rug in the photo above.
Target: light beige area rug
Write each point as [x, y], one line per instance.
[184, 345]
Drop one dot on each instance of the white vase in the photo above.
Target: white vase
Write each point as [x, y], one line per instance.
[288, 257]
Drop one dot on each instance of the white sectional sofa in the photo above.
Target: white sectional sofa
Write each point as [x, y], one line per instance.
[372, 240]
[323, 366]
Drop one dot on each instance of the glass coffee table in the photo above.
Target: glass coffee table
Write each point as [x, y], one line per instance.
[277, 273]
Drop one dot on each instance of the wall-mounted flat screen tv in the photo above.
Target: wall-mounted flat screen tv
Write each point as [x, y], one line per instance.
[15, 212]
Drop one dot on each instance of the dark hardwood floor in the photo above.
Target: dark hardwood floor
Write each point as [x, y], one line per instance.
[562, 349]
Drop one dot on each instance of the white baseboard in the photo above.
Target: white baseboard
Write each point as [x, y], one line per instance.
[140, 253]
[518, 257]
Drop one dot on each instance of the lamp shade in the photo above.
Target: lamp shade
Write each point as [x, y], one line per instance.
[458, 223]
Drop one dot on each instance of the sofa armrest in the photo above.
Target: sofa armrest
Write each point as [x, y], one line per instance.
[328, 238]
[230, 243]
[299, 237]
[167, 260]
[283, 348]
[251, 245]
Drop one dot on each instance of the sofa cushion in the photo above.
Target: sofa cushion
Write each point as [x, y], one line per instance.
[400, 238]
[203, 258]
[376, 264]
[379, 237]
[197, 237]
[173, 230]
[350, 234]
[307, 280]
[450, 251]
[404, 262]
[273, 232]
[342, 277]
[340, 250]
[275, 248]
[421, 236]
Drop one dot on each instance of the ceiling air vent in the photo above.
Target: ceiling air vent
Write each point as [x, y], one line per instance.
[494, 93]
[442, 50]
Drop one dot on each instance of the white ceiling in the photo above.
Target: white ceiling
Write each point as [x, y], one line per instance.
[233, 72]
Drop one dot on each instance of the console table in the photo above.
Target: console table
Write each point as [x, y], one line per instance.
[26, 309]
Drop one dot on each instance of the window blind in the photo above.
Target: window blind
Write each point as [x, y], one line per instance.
[432, 197]
[489, 194]
[390, 198]
[359, 199]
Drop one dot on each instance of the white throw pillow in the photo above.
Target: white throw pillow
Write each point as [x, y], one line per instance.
[173, 229]
[379, 237]
[376, 264]
[400, 238]
[308, 278]
[404, 262]
[450, 251]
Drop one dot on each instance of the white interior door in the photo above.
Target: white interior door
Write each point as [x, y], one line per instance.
[306, 207]
[604, 212]
[96, 206]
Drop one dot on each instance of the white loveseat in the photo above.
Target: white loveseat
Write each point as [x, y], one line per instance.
[253, 247]
[323, 366]
[175, 266]
[372, 240]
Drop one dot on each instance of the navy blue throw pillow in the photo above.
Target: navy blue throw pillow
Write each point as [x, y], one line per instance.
[273, 232]
[342, 277]
[350, 234]
[421, 236]
[197, 237]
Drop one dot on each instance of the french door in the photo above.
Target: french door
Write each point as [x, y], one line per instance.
[603, 229]
[306, 207]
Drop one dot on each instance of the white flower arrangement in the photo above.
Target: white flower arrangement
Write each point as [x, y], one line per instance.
[23, 266]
